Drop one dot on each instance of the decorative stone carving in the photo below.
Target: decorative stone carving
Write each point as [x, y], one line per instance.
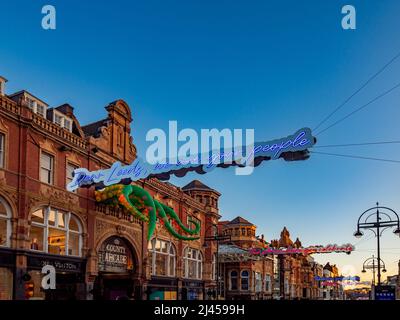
[67, 199]
[48, 146]
[73, 158]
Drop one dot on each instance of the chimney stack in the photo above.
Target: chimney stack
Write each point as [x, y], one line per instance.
[2, 85]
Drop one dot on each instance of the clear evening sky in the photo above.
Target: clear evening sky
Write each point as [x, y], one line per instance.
[274, 66]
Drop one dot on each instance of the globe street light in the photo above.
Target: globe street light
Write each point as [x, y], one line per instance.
[378, 219]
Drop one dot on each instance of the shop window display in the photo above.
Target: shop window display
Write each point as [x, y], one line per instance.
[5, 223]
[162, 256]
[56, 232]
[193, 262]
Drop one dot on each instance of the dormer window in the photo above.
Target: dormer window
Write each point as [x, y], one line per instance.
[58, 119]
[62, 120]
[41, 109]
[36, 107]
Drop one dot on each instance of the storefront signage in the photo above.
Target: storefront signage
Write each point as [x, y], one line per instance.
[346, 248]
[115, 256]
[59, 264]
[385, 293]
[201, 163]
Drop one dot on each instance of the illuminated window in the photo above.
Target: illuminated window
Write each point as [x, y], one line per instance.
[56, 232]
[193, 262]
[162, 256]
[2, 150]
[5, 223]
[46, 168]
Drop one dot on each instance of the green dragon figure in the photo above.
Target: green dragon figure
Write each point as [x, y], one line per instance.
[141, 204]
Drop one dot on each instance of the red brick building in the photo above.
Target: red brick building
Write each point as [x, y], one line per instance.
[42, 223]
[245, 276]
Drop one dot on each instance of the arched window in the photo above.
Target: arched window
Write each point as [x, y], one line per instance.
[56, 232]
[234, 280]
[244, 280]
[162, 256]
[5, 223]
[193, 261]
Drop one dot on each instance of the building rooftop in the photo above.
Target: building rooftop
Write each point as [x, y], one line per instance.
[196, 184]
[241, 221]
[27, 93]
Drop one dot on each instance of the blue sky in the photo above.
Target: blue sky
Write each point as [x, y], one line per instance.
[274, 66]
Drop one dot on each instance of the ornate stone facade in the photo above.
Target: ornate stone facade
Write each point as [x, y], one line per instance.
[32, 138]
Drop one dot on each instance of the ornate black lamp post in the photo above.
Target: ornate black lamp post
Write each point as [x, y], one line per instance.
[378, 219]
[217, 238]
[372, 263]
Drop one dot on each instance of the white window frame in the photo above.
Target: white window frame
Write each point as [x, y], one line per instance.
[154, 252]
[63, 118]
[67, 181]
[33, 105]
[45, 225]
[52, 163]
[198, 260]
[8, 222]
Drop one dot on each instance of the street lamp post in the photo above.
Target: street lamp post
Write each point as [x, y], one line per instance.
[217, 238]
[372, 263]
[378, 221]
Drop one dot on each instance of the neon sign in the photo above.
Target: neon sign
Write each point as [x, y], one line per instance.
[346, 248]
[291, 148]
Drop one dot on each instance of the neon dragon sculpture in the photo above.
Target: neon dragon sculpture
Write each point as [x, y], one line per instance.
[138, 202]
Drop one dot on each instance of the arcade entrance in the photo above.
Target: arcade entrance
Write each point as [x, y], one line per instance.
[116, 267]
